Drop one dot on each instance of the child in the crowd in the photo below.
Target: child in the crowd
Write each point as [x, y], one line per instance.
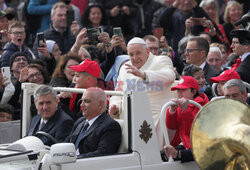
[6, 112]
[17, 35]
[180, 117]
[197, 73]
[223, 78]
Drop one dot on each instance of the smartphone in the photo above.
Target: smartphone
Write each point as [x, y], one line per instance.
[93, 34]
[40, 39]
[6, 73]
[197, 21]
[158, 32]
[117, 31]
[0, 35]
[70, 17]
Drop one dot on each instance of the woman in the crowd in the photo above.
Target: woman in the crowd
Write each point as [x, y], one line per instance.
[180, 117]
[53, 49]
[63, 74]
[211, 8]
[34, 73]
[233, 13]
[94, 17]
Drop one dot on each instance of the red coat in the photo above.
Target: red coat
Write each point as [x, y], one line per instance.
[182, 121]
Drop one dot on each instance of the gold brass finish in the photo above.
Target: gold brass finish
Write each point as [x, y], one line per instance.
[220, 136]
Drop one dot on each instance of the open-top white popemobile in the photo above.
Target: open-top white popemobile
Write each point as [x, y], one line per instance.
[139, 148]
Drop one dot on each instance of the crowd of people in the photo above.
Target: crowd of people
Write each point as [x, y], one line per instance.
[186, 40]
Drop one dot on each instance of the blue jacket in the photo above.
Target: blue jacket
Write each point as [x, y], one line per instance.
[35, 8]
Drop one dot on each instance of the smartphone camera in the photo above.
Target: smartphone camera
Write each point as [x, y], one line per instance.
[40, 39]
[93, 34]
[117, 31]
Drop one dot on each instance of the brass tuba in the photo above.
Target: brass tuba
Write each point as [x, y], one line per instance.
[220, 136]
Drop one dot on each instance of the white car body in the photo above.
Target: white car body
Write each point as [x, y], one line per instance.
[139, 148]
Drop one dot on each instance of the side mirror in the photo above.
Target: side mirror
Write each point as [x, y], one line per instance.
[63, 153]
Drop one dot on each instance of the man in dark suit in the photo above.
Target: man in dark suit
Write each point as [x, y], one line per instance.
[244, 52]
[96, 133]
[196, 53]
[50, 119]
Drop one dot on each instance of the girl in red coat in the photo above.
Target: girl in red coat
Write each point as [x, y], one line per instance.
[180, 117]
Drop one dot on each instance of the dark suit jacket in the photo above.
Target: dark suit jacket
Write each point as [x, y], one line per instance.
[59, 126]
[244, 69]
[209, 72]
[103, 136]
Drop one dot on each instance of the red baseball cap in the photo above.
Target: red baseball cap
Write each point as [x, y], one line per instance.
[186, 82]
[225, 76]
[89, 66]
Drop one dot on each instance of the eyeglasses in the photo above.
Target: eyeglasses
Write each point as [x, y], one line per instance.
[191, 50]
[19, 59]
[37, 74]
[18, 33]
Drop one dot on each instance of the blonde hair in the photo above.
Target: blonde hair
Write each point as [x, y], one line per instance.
[57, 5]
[229, 5]
[16, 24]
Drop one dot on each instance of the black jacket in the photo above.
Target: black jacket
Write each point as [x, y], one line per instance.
[9, 49]
[65, 40]
[244, 70]
[209, 72]
[58, 126]
[103, 136]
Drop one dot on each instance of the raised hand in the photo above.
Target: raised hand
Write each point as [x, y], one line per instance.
[136, 72]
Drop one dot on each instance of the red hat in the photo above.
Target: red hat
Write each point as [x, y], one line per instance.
[89, 66]
[185, 83]
[225, 76]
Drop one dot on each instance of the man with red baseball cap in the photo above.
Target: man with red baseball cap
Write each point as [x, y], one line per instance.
[223, 78]
[86, 76]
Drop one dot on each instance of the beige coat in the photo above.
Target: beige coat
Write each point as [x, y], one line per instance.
[160, 76]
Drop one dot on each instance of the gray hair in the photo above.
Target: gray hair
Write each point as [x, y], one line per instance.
[57, 5]
[43, 90]
[216, 49]
[204, 3]
[182, 45]
[235, 82]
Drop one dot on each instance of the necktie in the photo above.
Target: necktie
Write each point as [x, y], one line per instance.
[42, 124]
[236, 65]
[82, 132]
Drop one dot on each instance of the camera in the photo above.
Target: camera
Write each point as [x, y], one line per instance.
[243, 34]
[121, 11]
[93, 34]
[40, 39]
